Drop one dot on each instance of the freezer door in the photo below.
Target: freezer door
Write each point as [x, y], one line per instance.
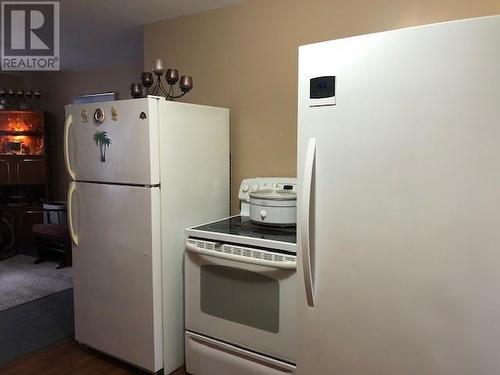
[117, 271]
[398, 215]
[115, 142]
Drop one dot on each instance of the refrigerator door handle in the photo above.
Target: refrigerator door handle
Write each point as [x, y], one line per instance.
[305, 213]
[73, 235]
[67, 125]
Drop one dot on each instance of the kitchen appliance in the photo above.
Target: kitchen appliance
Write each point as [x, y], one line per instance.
[397, 217]
[165, 167]
[273, 207]
[240, 290]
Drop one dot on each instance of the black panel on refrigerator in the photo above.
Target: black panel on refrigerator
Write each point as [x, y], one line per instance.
[322, 87]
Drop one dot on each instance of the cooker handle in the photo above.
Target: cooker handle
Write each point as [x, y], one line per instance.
[305, 212]
[193, 248]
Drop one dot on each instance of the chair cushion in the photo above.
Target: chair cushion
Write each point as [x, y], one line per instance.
[51, 230]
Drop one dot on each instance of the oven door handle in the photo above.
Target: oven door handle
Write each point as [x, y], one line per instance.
[191, 247]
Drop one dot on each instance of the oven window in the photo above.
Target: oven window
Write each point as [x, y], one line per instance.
[240, 296]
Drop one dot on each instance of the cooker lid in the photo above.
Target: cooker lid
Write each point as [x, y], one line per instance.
[275, 195]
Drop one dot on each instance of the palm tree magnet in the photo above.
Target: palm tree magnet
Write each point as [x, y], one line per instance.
[101, 139]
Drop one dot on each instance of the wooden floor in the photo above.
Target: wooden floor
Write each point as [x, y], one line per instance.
[69, 358]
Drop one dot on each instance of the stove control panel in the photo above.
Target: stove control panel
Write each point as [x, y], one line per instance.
[249, 185]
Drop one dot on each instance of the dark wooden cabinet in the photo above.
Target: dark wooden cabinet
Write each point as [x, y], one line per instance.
[4, 172]
[31, 171]
[23, 171]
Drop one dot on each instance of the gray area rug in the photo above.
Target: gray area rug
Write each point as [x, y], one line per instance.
[22, 281]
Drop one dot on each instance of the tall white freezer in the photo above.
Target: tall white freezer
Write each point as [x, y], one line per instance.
[141, 171]
[398, 217]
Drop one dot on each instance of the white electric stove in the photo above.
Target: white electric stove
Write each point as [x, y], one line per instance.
[240, 286]
[241, 230]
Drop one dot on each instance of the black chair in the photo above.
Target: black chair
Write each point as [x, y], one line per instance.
[53, 238]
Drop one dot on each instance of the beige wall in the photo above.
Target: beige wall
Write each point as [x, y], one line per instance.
[59, 88]
[245, 57]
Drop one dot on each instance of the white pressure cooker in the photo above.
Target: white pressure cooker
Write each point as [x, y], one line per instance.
[273, 207]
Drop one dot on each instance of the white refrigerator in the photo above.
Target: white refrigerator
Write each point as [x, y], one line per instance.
[399, 206]
[141, 171]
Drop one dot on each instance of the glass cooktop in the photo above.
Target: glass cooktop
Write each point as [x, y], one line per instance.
[243, 226]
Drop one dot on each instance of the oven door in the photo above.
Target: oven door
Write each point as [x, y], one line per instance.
[241, 296]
